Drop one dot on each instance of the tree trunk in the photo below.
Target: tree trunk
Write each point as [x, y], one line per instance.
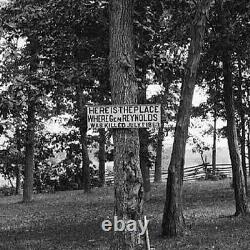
[214, 141]
[248, 147]
[18, 179]
[31, 120]
[238, 176]
[158, 160]
[166, 78]
[232, 137]
[173, 220]
[128, 182]
[18, 165]
[101, 156]
[242, 125]
[29, 152]
[144, 162]
[248, 125]
[144, 143]
[82, 113]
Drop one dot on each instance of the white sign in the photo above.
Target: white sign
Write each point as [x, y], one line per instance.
[124, 116]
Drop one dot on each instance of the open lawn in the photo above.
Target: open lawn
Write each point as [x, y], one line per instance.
[71, 220]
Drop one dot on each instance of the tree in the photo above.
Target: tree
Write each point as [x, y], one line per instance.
[242, 108]
[173, 222]
[102, 155]
[128, 180]
[232, 136]
[158, 159]
[31, 122]
[18, 164]
[238, 176]
[82, 124]
[144, 143]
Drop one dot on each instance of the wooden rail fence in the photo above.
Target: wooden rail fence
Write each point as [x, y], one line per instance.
[193, 173]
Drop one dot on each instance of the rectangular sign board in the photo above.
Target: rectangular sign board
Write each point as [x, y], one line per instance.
[124, 116]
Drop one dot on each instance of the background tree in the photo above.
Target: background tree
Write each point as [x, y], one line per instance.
[173, 220]
[226, 57]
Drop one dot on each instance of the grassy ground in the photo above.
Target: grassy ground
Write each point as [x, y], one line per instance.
[71, 220]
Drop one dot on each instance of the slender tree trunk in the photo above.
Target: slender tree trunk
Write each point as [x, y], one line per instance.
[18, 179]
[158, 160]
[214, 149]
[144, 143]
[167, 78]
[128, 182]
[214, 141]
[248, 147]
[29, 153]
[238, 176]
[82, 112]
[173, 220]
[242, 125]
[248, 125]
[145, 163]
[31, 121]
[18, 165]
[102, 156]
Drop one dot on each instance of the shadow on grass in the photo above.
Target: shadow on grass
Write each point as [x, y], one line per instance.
[51, 235]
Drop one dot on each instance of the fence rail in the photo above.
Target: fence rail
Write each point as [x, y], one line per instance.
[192, 173]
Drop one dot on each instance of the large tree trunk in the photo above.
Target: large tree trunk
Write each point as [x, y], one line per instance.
[158, 160]
[29, 153]
[82, 113]
[128, 182]
[102, 156]
[238, 176]
[173, 220]
[242, 125]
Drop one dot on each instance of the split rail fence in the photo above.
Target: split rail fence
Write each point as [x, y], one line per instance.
[193, 173]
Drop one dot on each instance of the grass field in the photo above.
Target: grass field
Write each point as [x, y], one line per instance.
[72, 219]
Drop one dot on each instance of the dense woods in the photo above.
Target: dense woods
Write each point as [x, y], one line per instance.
[59, 57]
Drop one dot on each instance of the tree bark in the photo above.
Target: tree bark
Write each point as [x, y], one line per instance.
[173, 223]
[18, 179]
[158, 160]
[232, 137]
[238, 176]
[242, 125]
[248, 147]
[128, 182]
[144, 162]
[31, 121]
[166, 79]
[215, 114]
[214, 142]
[101, 156]
[248, 125]
[29, 152]
[82, 113]
[144, 143]
[18, 165]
